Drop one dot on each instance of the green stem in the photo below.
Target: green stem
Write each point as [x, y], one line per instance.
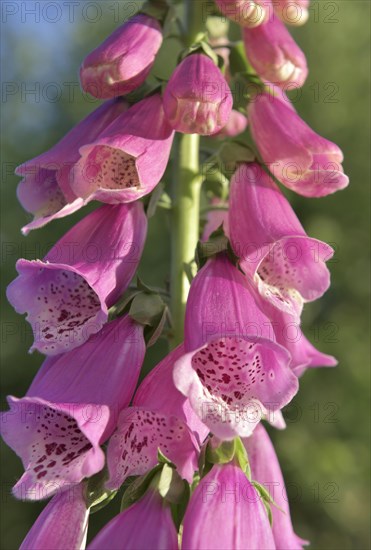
[185, 227]
[194, 20]
[186, 197]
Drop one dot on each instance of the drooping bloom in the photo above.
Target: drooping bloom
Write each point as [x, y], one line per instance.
[289, 334]
[197, 98]
[288, 267]
[298, 157]
[62, 524]
[274, 54]
[133, 448]
[68, 294]
[123, 61]
[292, 12]
[146, 524]
[129, 158]
[246, 13]
[158, 393]
[266, 470]
[237, 123]
[58, 427]
[45, 190]
[233, 372]
[225, 511]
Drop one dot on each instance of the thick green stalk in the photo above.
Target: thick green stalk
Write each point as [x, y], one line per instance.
[185, 227]
[186, 197]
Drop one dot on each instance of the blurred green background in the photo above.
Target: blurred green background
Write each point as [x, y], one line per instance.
[324, 452]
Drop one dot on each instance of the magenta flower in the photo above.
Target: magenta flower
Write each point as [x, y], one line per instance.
[62, 524]
[58, 427]
[266, 470]
[147, 524]
[128, 159]
[246, 13]
[225, 511]
[45, 190]
[216, 218]
[133, 448]
[237, 123]
[298, 157]
[288, 267]
[232, 373]
[292, 12]
[68, 294]
[197, 98]
[274, 54]
[288, 334]
[158, 393]
[123, 61]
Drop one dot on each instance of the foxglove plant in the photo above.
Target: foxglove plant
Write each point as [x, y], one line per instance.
[187, 448]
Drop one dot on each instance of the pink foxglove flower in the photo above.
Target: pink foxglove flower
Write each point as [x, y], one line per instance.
[292, 12]
[216, 217]
[158, 393]
[147, 524]
[298, 157]
[45, 190]
[62, 524]
[197, 98]
[123, 61]
[274, 54]
[266, 470]
[68, 294]
[246, 13]
[133, 448]
[288, 267]
[225, 511]
[128, 159]
[237, 123]
[57, 429]
[288, 333]
[232, 373]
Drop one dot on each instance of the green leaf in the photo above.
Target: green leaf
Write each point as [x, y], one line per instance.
[170, 485]
[217, 243]
[223, 453]
[242, 458]
[153, 334]
[147, 309]
[178, 509]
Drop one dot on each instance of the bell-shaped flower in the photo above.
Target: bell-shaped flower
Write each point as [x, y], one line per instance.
[266, 470]
[292, 12]
[44, 190]
[289, 334]
[68, 294]
[274, 54]
[141, 432]
[128, 159]
[288, 267]
[237, 123]
[197, 98]
[123, 61]
[58, 427]
[246, 13]
[233, 372]
[147, 524]
[225, 511]
[62, 524]
[298, 157]
[158, 393]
